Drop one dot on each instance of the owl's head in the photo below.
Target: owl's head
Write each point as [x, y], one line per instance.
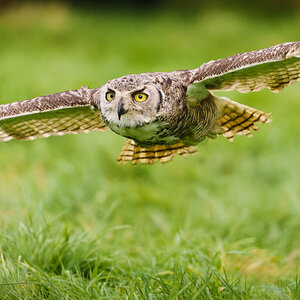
[130, 101]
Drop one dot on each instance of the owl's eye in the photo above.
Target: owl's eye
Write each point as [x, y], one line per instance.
[140, 97]
[110, 96]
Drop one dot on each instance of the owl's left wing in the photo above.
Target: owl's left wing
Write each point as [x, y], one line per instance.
[68, 112]
[272, 68]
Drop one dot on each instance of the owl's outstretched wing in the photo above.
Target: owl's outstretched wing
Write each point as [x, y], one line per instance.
[68, 112]
[272, 68]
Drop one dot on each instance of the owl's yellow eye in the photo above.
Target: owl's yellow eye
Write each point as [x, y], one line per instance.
[110, 95]
[140, 97]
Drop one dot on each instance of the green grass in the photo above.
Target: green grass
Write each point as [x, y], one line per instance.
[222, 224]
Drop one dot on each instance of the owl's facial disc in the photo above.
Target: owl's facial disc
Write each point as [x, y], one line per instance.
[130, 108]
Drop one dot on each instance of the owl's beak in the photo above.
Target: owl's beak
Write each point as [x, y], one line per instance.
[121, 110]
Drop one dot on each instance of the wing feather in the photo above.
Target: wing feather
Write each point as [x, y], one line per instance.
[55, 114]
[272, 68]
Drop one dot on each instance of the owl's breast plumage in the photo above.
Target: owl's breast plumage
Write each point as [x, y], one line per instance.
[191, 127]
[154, 133]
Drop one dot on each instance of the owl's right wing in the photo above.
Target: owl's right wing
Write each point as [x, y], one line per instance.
[68, 112]
[273, 68]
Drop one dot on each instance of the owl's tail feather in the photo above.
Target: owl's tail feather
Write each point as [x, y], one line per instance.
[161, 153]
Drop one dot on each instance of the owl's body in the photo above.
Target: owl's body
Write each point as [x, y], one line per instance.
[162, 114]
[189, 125]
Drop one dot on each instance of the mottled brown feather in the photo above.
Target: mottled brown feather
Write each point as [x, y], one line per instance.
[273, 68]
[54, 114]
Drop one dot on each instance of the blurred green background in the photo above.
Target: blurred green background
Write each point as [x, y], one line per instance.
[223, 223]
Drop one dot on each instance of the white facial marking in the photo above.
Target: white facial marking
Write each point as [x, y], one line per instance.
[136, 113]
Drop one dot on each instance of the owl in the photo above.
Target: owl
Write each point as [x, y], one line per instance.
[162, 113]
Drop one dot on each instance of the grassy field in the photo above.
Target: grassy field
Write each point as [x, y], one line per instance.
[222, 224]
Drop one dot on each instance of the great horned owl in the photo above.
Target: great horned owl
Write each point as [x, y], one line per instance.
[161, 113]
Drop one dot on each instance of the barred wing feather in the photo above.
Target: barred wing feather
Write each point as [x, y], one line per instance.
[56, 114]
[272, 68]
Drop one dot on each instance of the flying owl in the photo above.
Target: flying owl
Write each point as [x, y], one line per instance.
[162, 113]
